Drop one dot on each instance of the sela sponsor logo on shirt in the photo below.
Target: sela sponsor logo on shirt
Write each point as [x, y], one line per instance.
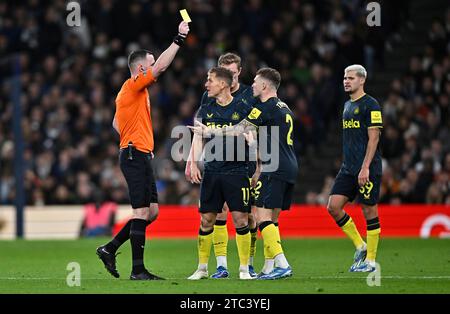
[214, 125]
[350, 124]
[236, 147]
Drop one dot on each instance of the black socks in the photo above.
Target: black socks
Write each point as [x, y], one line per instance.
[137, 239]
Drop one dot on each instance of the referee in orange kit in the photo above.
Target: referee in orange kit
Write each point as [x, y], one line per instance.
[134, 124]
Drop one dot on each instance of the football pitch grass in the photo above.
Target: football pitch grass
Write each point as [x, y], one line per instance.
[320, 266]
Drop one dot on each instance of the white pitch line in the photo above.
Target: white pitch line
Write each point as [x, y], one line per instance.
[382, 277]
[301, 278]
[46, 278]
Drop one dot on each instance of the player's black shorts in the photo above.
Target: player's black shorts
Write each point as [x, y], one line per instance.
[138, 173]
[347, 185]
[273, 193]
[216, 189]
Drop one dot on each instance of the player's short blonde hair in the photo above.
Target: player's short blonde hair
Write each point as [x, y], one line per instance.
[358, 68]
[229, 58]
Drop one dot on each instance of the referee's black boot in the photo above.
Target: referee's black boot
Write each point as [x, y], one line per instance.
[109, 260]
[145, 275]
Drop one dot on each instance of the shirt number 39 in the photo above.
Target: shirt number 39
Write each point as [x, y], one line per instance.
[366, 189]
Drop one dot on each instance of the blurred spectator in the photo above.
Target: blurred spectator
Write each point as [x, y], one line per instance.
[71, 76]
[99, 217]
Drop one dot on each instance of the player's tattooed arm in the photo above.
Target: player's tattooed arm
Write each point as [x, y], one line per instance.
[242, 127]
[257, 173]
[250, 137]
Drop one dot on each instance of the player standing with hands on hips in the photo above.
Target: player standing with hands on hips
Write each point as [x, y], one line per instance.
[134, 124]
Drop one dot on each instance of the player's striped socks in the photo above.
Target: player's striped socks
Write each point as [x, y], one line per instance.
[271, 238]
[373, 236]
[243, 240]
[137, 239]
[220, 241]
[348, 226]
[253, 238]
[205, 239]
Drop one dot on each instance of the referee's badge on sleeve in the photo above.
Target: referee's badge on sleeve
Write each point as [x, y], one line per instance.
[254, 114]
[375, 117]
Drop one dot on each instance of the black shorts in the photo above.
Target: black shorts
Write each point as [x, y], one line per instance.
[138, 173]
[273, 193]
[216, 189]
[347, 185]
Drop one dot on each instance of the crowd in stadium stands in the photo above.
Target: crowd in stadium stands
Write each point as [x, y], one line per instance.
[71, 75]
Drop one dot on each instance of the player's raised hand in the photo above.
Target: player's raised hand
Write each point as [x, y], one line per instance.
[183, 28]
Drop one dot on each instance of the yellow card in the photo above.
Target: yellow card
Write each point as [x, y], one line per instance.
[185, 16]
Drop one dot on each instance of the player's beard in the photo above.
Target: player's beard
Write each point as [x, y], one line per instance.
[351, 91]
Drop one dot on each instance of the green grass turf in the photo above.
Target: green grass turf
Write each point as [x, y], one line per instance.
[320, 266]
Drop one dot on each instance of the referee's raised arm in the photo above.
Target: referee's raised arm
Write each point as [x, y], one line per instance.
[165, 59]
[142, 64]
